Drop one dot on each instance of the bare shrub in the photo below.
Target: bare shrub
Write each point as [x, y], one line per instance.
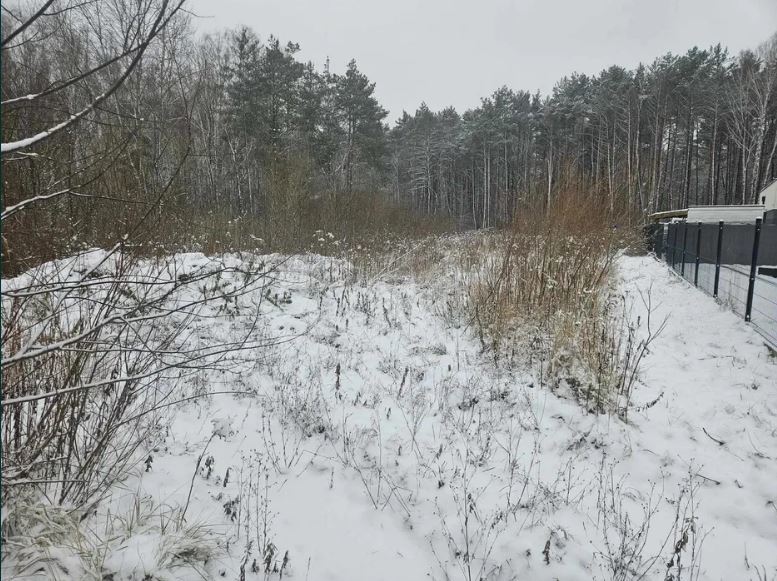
[632, 549]
[546, 285]
[93, 350]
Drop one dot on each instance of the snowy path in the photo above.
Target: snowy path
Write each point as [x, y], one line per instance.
[382, 444]
[716, 375]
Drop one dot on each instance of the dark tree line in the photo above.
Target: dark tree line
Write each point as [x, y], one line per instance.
[222, 123]
[700, 128]
[240, 125]
[266, 111]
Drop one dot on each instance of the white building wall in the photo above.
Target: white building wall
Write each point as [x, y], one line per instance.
[768, 196]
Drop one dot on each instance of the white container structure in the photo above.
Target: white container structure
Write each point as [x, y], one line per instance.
[728, 214]
[768, 196]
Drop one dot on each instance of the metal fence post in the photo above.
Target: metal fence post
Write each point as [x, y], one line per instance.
[674, 242]
[717, 258]
[674, 245]
[698, 250]
[685, 241]
[753, 269]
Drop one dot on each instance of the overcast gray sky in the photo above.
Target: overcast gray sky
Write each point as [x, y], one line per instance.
[453, 52]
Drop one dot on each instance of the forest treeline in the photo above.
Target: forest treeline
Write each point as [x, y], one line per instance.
[232, 125]
[698, 128]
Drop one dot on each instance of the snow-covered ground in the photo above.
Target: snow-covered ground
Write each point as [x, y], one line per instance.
[380, 441]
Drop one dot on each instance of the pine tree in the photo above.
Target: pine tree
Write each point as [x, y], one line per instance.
[360, 116]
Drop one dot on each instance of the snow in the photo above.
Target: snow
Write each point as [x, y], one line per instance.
[716, 375]
[379, 441]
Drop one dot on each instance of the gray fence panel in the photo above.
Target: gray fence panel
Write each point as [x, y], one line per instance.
[738, 244]
[767, 249]
[763, 315]
[692, 251]
[708, 251]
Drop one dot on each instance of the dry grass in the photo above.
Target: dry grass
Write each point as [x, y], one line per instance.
[545, 288]
[48, 541]
[291, 221]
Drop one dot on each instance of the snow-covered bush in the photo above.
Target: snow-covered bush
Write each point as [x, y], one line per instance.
[93, 351]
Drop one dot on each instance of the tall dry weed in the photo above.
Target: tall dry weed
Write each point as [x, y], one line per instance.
[545, 286]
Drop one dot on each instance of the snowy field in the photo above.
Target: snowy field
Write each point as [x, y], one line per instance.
[379, 441]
